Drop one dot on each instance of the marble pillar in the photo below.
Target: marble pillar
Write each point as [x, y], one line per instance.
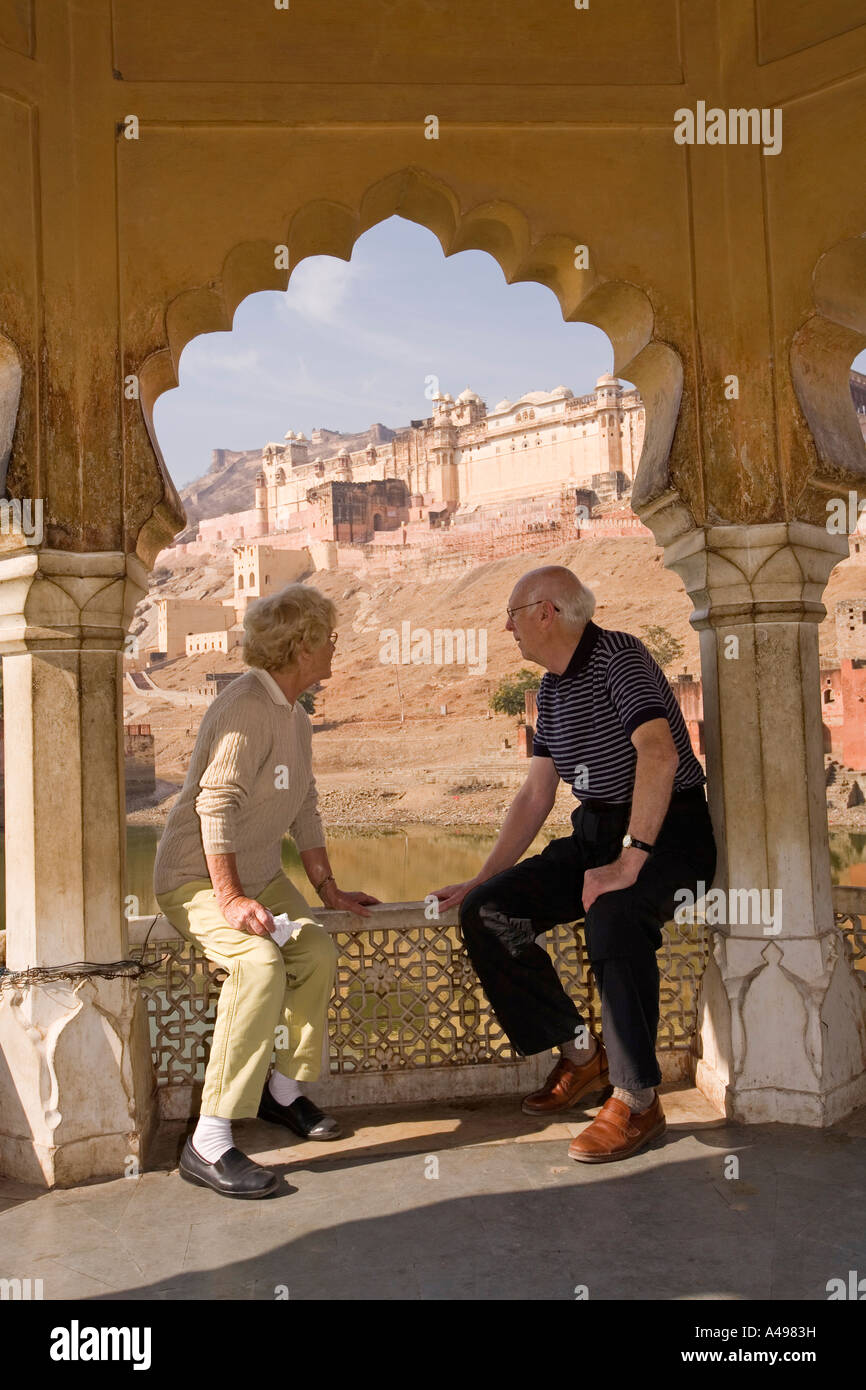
[782, 1013]
[76, 1076]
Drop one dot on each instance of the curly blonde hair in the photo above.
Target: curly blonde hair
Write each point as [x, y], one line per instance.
[275, 628]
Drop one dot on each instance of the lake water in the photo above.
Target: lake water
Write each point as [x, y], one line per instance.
[394, 865]
[404, 865]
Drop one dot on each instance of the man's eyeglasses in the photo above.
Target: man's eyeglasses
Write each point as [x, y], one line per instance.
[511, 611]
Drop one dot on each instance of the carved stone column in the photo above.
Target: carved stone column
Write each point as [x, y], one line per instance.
[782, 1015]
[76, 1078]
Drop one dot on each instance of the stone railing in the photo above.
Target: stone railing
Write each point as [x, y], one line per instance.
[849, 910]
[409, 1020]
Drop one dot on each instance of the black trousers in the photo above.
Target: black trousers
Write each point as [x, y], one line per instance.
[623, 930]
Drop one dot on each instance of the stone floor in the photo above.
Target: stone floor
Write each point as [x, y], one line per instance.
[471, 1200]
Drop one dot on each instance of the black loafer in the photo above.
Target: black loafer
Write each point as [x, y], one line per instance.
[302, 1116]
[233, 1175]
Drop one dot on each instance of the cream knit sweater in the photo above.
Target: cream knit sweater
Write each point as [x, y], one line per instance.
[250, 780]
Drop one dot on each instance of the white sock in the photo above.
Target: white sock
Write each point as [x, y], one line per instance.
[283, 1089]
[212, 1138]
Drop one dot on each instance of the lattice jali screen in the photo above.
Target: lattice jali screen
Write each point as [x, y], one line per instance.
[410, 998]
[852, 925]
[181, 995]
[405, 998]
[681, 959]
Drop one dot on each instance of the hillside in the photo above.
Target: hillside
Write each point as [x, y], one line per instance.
[229, 484]
[434, 766]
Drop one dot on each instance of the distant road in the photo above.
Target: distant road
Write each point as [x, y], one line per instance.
[142, 684]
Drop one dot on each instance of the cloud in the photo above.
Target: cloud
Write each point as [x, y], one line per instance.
[318, 289]
[202, 361]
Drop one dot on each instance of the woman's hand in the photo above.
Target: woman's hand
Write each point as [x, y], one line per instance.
[454, 893]
[333, 897]
[245, 914]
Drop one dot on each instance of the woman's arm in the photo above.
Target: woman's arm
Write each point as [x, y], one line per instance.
[318, 870]
[246, 914]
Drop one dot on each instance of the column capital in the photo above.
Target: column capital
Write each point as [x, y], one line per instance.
[61, 600]
[772, 572]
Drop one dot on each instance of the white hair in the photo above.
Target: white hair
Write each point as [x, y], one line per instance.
[577, 608]
[560, 585]
[276, 627]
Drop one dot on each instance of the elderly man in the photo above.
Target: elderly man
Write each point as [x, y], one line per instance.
[218, 878]
[608, 725]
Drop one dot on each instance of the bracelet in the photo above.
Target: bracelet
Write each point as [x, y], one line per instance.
[319, 886]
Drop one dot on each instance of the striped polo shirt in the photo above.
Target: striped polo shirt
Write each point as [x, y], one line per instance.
[586, 716]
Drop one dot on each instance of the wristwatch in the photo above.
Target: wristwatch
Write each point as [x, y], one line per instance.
[629, 842]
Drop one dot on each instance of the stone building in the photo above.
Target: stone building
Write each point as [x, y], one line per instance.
[220, 641]
[179, 618]
[689, 697]
[215, 682]
[139, 759]
[858, 394]
[152, 158]
[851, 628]
[461, 460]
[261, 569]
[842, 691]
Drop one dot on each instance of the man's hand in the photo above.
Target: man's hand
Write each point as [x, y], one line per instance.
[454, 893]
[341, 901]
[609, 878]
[245, 914]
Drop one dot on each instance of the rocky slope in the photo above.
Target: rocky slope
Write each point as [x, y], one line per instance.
[229, 484]
[447, 760]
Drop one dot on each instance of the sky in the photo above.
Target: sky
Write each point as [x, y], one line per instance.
[353, 343]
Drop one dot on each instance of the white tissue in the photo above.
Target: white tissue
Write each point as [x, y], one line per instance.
[284, 929]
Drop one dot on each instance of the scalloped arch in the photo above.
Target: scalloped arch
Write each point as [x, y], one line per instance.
[620, 309]
[822, 351]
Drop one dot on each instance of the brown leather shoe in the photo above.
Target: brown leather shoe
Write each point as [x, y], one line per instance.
[618, 1133]
[568, 1083]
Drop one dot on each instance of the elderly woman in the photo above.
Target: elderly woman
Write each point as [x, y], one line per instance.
[218, 879]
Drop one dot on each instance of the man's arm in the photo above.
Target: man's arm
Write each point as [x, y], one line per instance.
[524, 818]
[526, 815]
[657, 762]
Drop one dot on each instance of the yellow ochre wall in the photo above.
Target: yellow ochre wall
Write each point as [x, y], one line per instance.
[259, 127]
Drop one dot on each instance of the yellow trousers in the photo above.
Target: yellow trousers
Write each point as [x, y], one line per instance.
[275, 998]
